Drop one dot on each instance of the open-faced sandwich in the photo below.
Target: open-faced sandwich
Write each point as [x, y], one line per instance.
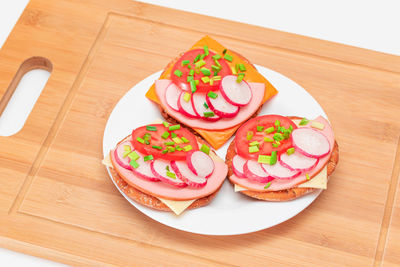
[166, 167]
[277, 158]
[211, 90]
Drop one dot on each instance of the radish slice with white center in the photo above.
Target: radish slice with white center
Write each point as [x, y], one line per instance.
[237, 94]
[185, 174]
[199, 106]
[253, 171]
[221, 107]
[237, 165]
[159, 169]
[119, 154]
[186, 108]
[279, 172]
[311, 143]
[172, 94]
[144, 170]
[298, 162]
[200, 163]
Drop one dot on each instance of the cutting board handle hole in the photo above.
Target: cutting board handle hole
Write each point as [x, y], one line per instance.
[22, 94]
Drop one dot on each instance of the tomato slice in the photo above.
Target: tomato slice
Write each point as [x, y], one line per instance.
[265, 148]
[190, 55]
[157, 141]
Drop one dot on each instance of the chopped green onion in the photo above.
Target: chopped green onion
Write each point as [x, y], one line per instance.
[170, 143]
[165, 135]
[205, 79]
[191, 73]
[196, 58]
[205, 105]
[171, 175]
[196, 82]
[303, 121]
[147, 142]
[234, 70]
[166, 124]
[240, 77]
[200, 63]
[307, 176]
[277, 123]
[212, 95]
[177, 140]
[189, 78]
[242, 67]
[157, 147]
[178, 73]
[174, 127]
[127, 148]
[249, 135]
[178, 148]
[148, 157]
[184, 139]
[286, 134]
[267, 185]
[189, 67]
[270, 130]
[280, 129]
[206, 52]
[224, 51]
[134, 164]
[254, 143]
[317, 125]
[151, 128]
[217, 78]
[260, 128]
[290, 151]
[133, 155]
[193, 86]
[211, 81]
[173, 135]
[202, 56]
[205, 149]
[264, 159]
[147, 136]
[228, 57]
[215, 68]
[171, 149]
[216, 57]
[167, 167]
[253, 149]
[274, 157]
[186, 97]
[278, 137]
[205, 71]
[237, 68]
[275, 144]
[185, 62]
[165, 151]
[208, 114]
[267, 139]
[291, 128]
[140, 140]
[187, 148]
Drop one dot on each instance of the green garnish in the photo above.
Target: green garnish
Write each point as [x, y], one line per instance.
[178, 73]
[303, 121]
[165, 151]
[205, 105]
[255, 143]
[274, 157]
[267, 139]
[240, 77]
[291, 128]
[147, 136]
[184, 140]
[177, 140]
[205, 71]
[147, 142]
[317, 125]
[206, 52]
[171, 149]
[173, 135]
[286, 134]
[228, 57]
[165, 135]
[216, 57]
[278, 137]
[260, 128]
[191, 73]
[275, 145]
[187, 148]
[205, 79]
[157, 147]
[133, 155]
[215, 68]
[253, 149]
[196, 82]
[127, 150]
[148, 157]
[277, 123]
[290, 151]
[178, 148]
[217, 78]
[174, 127]
[242, 67]
[151, 128]
[202, 56]
[170, 143]
[189, 67]
[237, 68]
[140, 140]
[267, 185]
[193, 86]
[171, 175]
[211, 81]
[264, 159]
[197, 58]
[167, 167]
[250, 135]
[270, 130]
[307, 176]
[208, 114]
[187, 97]
[185, 62]
[134, 164]
[234, 70]
[200, 63]
[166, 124]
[212, 95]
[205, 149]
[189, 78]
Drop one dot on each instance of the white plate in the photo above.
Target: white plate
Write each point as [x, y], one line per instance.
[229, 213]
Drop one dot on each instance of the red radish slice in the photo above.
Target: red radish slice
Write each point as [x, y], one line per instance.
[185, 174]
[237, 94]
[279, 172]
[198, 101]
[119, 155]
[186, 108]
[298, 162]
[221, 107]
[237, 165]
[200, 163]
[253, 171]
[172, 94]
[159, 169]
[311, 143]
[144, 170]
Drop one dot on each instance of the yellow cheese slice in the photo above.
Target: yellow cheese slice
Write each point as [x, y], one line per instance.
[177, 206]
[318, 181]
[107, 161]
[238, 188]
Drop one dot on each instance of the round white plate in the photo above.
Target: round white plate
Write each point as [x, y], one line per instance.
[229, 213]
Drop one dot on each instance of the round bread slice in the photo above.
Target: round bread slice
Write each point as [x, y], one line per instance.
[281, 195]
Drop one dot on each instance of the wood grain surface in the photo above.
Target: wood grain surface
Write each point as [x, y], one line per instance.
[57, 201]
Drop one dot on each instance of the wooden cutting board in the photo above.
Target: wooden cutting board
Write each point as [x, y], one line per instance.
[57, 201]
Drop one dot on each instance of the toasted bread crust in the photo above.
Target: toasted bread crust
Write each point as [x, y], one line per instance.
[282, 195]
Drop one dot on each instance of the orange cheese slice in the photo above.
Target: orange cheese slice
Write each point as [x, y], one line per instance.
[216, 138]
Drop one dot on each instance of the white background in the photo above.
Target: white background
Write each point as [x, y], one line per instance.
[368, 24]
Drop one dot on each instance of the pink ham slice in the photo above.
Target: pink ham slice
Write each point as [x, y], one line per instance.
[221, 107]
[237, 165]
[278, 171]
[254, 171]
[298, 162]
[172, 94]
[245, 112]
[282, 184]
[186, 108]
[238, 94]
[199, 106]
[310, 142]
[119, 154]
[185, 174]
[169, 192]
[159, 169]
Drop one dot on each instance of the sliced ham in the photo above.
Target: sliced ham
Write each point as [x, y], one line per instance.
[245, 112]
